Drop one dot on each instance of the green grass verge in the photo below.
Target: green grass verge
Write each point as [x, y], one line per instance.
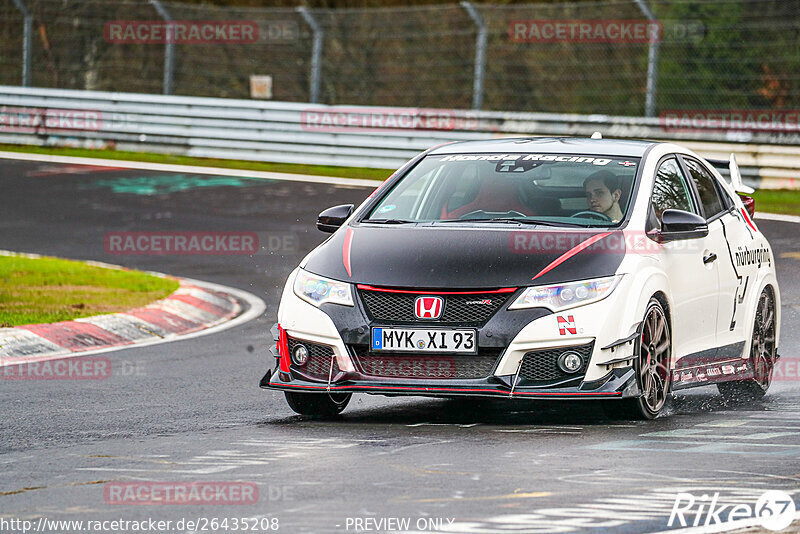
[778, 201]
[291, 168]
[47, 290]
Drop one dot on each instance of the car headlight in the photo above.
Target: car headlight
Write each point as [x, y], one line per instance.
[562, 296]
[318, 290]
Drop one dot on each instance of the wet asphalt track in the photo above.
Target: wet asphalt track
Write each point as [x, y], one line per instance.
[192, 410]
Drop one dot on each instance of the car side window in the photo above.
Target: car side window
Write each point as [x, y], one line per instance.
[709, 195]
[408, 195]
[670, 190]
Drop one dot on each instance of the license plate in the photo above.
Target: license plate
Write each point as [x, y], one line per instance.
[423, 340]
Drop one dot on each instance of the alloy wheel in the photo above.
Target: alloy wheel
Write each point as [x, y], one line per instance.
[654, 359]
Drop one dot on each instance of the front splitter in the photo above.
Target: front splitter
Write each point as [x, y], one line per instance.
[615, 385]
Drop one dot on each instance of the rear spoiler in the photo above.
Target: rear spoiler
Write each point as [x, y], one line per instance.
[736, 178]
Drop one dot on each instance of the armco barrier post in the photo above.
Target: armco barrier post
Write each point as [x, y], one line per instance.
[169, 48]
[27, 28]
[316, 53]
[480, 54]
[652, 63]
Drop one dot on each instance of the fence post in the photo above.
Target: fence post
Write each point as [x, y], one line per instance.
[169, 48]
[316, 53]
[652, 62]
[480, 54]
[27, 28]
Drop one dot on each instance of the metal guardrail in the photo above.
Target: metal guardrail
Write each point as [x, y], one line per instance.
[337, 135]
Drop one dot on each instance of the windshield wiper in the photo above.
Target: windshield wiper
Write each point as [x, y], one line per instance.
[535, 222]
[388, 221]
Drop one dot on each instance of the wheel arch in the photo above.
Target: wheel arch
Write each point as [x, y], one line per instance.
[768, 280]
[652, 283]
[661, 297]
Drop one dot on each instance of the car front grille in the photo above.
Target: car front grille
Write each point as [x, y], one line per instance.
[318, 364]
[542, 365]
[470, 309]
[425, 366]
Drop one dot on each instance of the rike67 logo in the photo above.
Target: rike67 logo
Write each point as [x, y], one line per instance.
[774, 510]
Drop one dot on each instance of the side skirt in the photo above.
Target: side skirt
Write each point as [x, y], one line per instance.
[710, 367]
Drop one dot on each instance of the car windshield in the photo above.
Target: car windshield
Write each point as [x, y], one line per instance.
[549, 189]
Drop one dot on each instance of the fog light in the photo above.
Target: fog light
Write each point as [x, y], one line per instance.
[570, 362]
[300, 355]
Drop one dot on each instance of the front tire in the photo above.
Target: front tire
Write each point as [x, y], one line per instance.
[652, 366]
[762, 354]
[318, 404]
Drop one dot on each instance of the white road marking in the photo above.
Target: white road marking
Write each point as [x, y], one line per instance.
[703, 433]
[777, 217]
[724, 424]
[724, 527]
[460, 425]
[606, 513]
[200, 471]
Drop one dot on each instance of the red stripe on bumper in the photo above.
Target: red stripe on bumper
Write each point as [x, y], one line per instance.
[457, 390]
[424, 292]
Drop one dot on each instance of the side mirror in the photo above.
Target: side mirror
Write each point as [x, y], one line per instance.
[332, 218]
[679, 224]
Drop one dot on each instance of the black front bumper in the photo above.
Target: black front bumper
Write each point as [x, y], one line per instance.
[494, 334]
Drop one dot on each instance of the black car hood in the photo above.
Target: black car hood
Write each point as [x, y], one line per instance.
[441, 257]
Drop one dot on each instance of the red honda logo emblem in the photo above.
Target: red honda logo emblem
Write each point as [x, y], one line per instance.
[428, 307]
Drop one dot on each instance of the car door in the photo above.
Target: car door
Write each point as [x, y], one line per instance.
[726, 232]
[693, 278]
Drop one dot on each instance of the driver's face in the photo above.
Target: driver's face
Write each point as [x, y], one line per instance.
[598, 196]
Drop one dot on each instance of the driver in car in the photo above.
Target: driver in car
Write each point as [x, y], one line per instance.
[603, 193]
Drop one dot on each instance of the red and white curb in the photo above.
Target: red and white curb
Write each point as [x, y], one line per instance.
[196, 308]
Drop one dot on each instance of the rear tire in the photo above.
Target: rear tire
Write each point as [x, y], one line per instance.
[318, 404]
[762, 354]
[652, 367]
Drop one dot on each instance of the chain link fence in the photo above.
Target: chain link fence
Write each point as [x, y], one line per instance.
[708, 54]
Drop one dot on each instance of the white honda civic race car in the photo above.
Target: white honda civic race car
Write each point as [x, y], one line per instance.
[535, 268]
